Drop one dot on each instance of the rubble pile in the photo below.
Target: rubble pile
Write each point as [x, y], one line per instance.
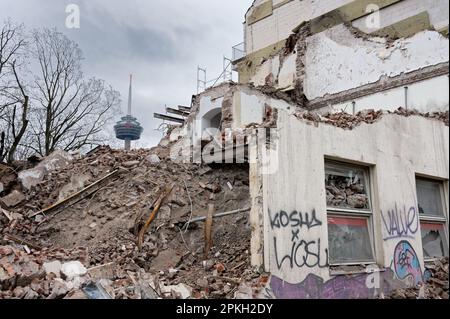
[349, 121]
[341, 119]
[106, 223]
[346, 192]
[30, 275]
[441, 116]
[7, 178]
[436, 287]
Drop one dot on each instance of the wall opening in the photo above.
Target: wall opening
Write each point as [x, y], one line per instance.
[211, 122]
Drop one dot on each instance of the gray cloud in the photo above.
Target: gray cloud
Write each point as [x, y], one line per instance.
[161, 42]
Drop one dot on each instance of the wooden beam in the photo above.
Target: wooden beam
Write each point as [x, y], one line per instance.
[168, 118]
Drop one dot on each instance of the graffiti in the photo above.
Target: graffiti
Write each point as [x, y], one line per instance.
[294, 219]
[338, 287]
[406, 264]
[303, 254]
[303, 251]
[400, 223]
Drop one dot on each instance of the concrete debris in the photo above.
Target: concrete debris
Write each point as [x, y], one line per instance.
[244, 291]
[153, 159]
[77, 183]
[53, 267]
[130, 164]
[13, 199]
[105, 271]
[32, 177]
[180, 291]
[436, 287]
[73, 269]
[345, 192]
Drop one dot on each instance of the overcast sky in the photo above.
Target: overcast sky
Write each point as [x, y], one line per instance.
[160, 42]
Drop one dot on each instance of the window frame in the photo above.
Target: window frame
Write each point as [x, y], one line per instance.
[366, 214]
[433, 219]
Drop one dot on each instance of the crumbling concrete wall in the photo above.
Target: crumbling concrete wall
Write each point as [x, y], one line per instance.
[278, 72]
[296, 254]
[350, 55]
[336, 60]
[240, 106]
[373, 74]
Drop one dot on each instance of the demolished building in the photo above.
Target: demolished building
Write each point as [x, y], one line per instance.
[328, 163]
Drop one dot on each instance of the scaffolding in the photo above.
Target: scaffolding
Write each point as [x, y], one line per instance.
[226, 75]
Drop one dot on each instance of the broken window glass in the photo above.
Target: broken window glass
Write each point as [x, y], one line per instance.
[429, 197]
[346, 187]
[349, 240]
[433, 240]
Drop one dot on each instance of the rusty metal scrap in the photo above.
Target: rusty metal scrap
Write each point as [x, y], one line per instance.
[162, 197]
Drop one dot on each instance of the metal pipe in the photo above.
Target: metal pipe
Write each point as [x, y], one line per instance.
[406, 97]
[237, 211]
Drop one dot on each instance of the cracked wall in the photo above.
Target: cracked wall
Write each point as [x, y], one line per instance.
[240, 106]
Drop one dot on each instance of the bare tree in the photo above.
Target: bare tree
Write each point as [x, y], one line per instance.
[70, 112]
[13, 119]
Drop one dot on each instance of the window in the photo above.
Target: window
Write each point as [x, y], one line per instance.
[432, 219]
[349, 212]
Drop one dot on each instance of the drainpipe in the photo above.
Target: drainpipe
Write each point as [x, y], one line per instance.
[406, 97]
[354, 107]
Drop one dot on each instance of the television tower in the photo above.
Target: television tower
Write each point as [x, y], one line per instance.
[128, 128]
